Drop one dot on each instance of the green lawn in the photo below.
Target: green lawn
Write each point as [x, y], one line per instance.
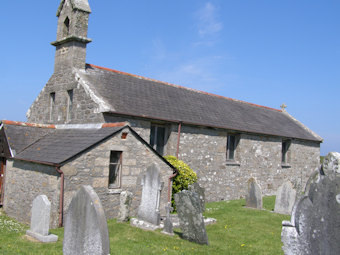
[238, 230]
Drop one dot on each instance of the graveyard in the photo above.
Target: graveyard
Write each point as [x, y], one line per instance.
[238, 230]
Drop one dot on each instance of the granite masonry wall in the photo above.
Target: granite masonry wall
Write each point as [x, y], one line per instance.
[24, 182]
[258, 156]
[92, 168]
[82, 109]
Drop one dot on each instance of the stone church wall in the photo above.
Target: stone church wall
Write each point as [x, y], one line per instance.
[258, 156]
[24, 182]
[92, 168]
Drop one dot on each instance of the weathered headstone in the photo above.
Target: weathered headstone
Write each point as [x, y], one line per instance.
[315, 220]
[125, 205]
[285, 198]
[254, 195]
[195, 187]
[40, 220]
[190, 216]
[152, 186]
[85, 225]
[168, 226]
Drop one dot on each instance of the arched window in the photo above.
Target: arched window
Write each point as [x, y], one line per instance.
[66, 29]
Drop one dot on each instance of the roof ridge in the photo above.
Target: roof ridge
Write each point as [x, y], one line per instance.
[181, 87]
[26, 124]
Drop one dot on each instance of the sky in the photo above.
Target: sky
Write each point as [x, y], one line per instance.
[264, 52]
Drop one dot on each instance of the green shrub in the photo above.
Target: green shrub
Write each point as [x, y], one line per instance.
[183, 179]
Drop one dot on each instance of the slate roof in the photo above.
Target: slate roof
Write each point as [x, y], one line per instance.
[132, 95]
[21, 136]
[63, 144]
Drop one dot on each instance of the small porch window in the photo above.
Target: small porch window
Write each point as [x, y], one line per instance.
[157, 138]
[285, 151]
[231, 146]
[115, 169]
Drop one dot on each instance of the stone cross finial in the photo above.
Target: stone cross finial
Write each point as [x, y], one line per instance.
[283, 107]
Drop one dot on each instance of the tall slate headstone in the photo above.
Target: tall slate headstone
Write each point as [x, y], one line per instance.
[190, 216]
[40, 220]
[85, 225]
[285, 198]
[149, 208]
[254, 195]
[195, 187]
[315, 220]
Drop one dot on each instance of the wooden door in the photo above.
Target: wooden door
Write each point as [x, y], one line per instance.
[2, 176]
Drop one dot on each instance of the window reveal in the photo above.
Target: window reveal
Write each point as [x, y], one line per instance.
[285, 151]
[115, 169]
[231, 147]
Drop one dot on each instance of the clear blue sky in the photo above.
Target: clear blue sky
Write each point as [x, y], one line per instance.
[264, 52]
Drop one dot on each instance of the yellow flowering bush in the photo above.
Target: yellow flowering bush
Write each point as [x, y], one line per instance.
[183, 179]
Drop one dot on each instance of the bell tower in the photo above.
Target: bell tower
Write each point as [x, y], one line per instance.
[73, 17]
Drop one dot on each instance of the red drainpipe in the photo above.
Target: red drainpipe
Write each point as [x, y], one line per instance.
[61, 196]
[178, 137]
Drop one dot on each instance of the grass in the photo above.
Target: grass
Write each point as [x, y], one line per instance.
[238, 230]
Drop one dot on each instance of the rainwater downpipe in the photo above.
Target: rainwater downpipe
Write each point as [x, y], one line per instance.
[61, 196]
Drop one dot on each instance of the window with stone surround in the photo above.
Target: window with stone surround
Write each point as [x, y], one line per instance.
[158, 138]
[52, 105]
[232, 141]
[69, 104]
[285, 152]
[115, 169]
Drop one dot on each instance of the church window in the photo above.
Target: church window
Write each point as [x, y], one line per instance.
[115, 169]
[69, 104]
[157, 138]
[232, 141]
[66, 28]
[52, 105]
[285, 151]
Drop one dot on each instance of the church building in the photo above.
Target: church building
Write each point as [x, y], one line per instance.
[225, 141]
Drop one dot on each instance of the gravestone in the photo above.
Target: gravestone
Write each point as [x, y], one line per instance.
[190, 216]
[314, 227]
[149, 208]
[168, 226]
[285, 198]
[40, 220]
[125, 205]
[195, 187]
[254, 195]
[85, 225]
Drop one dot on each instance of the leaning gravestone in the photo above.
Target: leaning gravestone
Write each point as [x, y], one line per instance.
[149, 208]
[125, 205]
[40, 220]
[195, 187]
[85, 225]
[285, 198]
[190, 216]
[315, 220]
[254, 195]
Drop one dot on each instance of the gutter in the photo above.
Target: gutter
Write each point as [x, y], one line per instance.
[61, 196]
